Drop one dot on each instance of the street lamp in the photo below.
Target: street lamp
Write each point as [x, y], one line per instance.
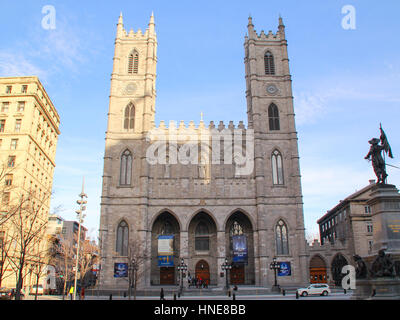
[182, 267]
[274, 265]
[132, 276]
[80, 217]
[225, 267]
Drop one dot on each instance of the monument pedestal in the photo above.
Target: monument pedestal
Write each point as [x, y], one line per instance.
[377, 289]
[385, 208]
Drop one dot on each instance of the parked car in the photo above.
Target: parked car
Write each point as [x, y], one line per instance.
[14, 293]
[39, 289]
[315, 288]
[5, 294]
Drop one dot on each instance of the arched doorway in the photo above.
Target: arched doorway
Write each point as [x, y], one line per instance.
[318, 270]
[165, 230]
[338, 262]
[237, 274]
[202, 234]
[240, 248]
[202, 271]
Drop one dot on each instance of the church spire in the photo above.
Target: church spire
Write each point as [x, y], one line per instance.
[281, 27]
[120, 26]
[152, 24]
[250, 27]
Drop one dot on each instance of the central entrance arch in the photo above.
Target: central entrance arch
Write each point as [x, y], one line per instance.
[318, 272]
[202, 271]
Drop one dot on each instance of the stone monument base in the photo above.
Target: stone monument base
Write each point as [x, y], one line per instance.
[377, 289]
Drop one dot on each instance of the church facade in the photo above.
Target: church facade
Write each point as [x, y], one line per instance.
[202, 194]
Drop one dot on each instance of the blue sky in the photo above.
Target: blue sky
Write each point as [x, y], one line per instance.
[345, 82]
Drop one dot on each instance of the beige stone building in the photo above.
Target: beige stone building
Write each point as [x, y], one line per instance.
[169, 193]
[345, 230]
[29, 129]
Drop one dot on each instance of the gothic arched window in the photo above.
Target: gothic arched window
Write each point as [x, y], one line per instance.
[269, 63]
[129, 117]
[281, 238]
[122, 238]
[277, 168]
[126, 168]
[202, 237]
[133, 62]
[273, 116]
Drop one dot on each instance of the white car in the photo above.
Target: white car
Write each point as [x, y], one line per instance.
[315, 288]
[39, 290]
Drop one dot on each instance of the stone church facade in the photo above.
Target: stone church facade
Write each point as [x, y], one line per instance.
[171, 182]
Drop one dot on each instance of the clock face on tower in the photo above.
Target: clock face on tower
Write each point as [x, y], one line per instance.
[130, 88]
[272, 89]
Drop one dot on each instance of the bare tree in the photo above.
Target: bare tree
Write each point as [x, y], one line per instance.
[28, 227]
[136, 262]
[38, 261]
[64, 261]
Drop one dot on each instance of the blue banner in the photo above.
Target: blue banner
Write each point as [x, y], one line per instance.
[165, 261]
[284, 269]
[239, 244]
[120, 270]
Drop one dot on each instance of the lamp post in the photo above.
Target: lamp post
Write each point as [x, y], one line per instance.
[182, 267]
[225, 267]
[80, 218]
[132, 276]
[274, 265]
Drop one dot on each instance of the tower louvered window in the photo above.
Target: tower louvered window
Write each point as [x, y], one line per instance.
[133, 63]
[269, 63]
[129, 117]
[273, 116]
[126, 169]
[277, 168]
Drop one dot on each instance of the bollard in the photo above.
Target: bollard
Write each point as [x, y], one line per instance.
[297, 294]
[174, 296]
[283, 292]
[110, 296]
[344, 291]
[233, 296]
[124, 294]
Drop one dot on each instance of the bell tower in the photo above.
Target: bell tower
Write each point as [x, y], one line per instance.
[270, 114]
[133, 80]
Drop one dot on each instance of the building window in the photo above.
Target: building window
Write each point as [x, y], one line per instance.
[122, 238]
[8, 89]
[18, 125]
[129, 117]
[367, 209]
[273, 117]
[14, 143]
[202, 237]
[21, 106]
[370, 244]
[281, 237]
[24, 88]
[126, 168]
[6, 198]
[2, 125]
[133, 63]
[8, 179]
[277, 168]
[11, 161]
[269, 63]
[369, 228]
[5, 107]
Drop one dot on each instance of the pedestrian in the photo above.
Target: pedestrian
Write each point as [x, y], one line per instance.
[162, 294]
[189, 280]
[71, 291]
[83, 293]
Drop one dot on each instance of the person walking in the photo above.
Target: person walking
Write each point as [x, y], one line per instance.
[71, 292]
[162, 294]
[83, 293]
